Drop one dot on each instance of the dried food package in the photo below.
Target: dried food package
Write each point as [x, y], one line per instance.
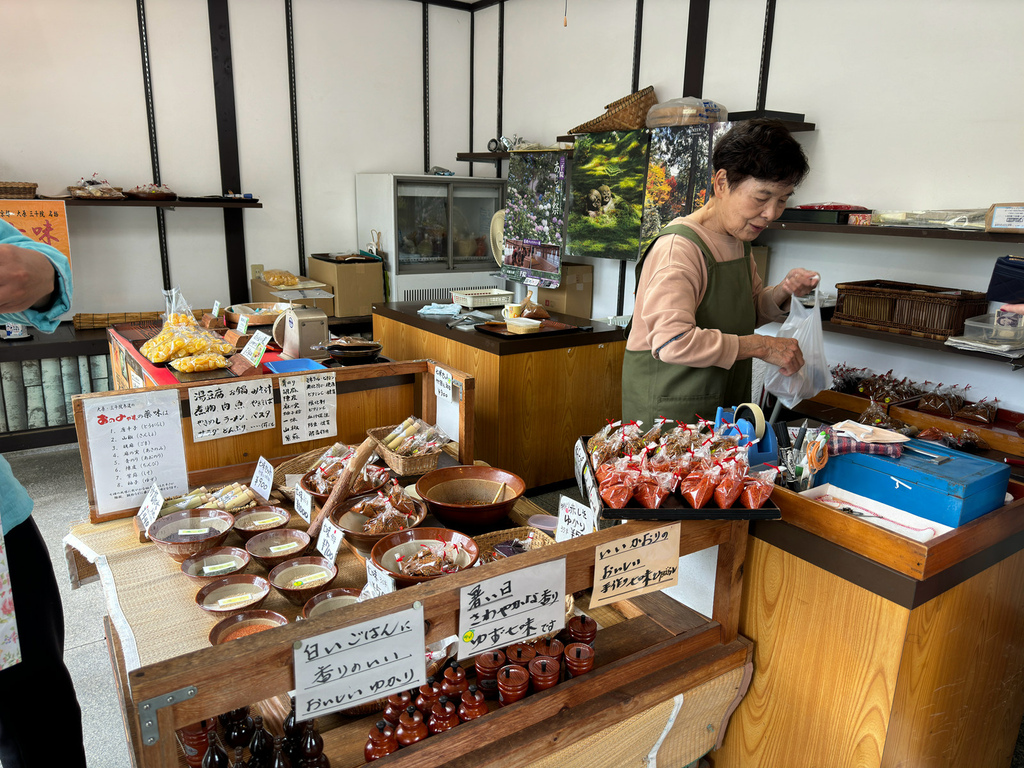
[757, 488]
[984, 411]
[730, 484]
[935, 434]
[618, 486]
[279, 277]
[208, 361]
[390, 520]
[533, 310]
[699, 486]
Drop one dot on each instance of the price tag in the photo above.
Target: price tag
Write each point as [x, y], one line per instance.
[574, 519]
[303, 503]
[443, 384]
[378, 582]
[263, 479]
[366, 662]
[216, 309]
[636, 565]
[330, 540]
[579, 457]
[254, 349]
[150, 509]
[243, 324]
[512, 608]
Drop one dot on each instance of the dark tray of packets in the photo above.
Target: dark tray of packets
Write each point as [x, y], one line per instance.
[674, 507]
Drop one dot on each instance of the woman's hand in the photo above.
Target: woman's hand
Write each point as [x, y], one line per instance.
[782, 352]
[798, 282]
[1018, 308]
[26, 279]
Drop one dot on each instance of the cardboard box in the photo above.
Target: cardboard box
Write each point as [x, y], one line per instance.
[357, 283]
[261, 291]
[1005, 217]
[574, 295]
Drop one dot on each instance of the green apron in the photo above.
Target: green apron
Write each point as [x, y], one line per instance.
[652, 388]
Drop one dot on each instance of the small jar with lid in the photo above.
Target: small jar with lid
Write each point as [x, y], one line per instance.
[443, 716]
[579, 659]
[581, 629]
[454, 683]
[513, 684]
[487, 666]
[426, 695]
[520, 654]
[397, 703]
[544, 673]
[552, 648]
[411, 727]
[473, 704]
[381, 742]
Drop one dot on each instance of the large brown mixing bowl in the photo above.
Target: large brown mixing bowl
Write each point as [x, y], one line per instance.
[462, 496]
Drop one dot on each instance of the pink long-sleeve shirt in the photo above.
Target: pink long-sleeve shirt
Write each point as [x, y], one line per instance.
[672, 285]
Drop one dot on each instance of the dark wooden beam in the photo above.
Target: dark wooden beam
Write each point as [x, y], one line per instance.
[696, 47]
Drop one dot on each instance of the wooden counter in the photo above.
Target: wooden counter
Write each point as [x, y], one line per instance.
[875, 650]
[535, 395]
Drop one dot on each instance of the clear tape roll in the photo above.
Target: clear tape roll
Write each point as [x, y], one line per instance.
[755, 416]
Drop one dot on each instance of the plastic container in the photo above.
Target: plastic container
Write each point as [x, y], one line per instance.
[473, 299]
[1000, 327]
[522, 325]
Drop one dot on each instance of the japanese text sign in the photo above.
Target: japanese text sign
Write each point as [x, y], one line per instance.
[329, 540]
[443, 384]
[512, 608]
[255, 347]
[378, 581]
[150, 509]
[303, 503]
[263, 479]
[355, 665]
[42, 220]
[309, 407]
[574, 519]
[231, 409]
[635, 565]
[243, 327]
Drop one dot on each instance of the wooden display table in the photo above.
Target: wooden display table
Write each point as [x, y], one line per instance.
[872, 649]
[536, 394]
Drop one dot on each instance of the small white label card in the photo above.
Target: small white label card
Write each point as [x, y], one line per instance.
[303, 503]
[220, 410]
[150, 509]
[512, 608]
[378, 582]
[592, 491]
[443, 384]
[255, 347]
[262, 481]
[216, 309]
[579, 459]
[309, 407]
[366, 662]
[243, 325]
[635, 565]
[136, 381]
[329, 540]
[574, 519]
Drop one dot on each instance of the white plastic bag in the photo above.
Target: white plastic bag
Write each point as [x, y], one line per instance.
[804, 325]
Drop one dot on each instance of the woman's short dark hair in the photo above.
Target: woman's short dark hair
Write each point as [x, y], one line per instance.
[763, 149]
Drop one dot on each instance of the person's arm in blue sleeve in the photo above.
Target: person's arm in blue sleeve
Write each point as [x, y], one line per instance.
[35, 281]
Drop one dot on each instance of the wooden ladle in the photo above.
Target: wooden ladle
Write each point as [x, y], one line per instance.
[343, 486]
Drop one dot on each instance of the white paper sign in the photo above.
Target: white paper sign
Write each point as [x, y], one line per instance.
[635, 565]
[443, 384]
[263, 479]
[574, 519]
[136, 381]
[216, 309]
[309, 407]
[255, 347]
[329, 540]
[512, 608]
[150, 509]
[579, 458]
[303, 503]
[243, 324]
[135, 441]
[231, 409]
[592, 492]
[355, 665]
[378, 582]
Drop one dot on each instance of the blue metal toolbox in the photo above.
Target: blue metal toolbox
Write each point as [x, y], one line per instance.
[952, 492]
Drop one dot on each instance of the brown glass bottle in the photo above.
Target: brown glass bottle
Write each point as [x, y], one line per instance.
[455, 683]
[195, 740]
[239, 762]
[292, 733]
[261, 745]
[381, 742]
[428, 694]
[473, 705]
[443, 716]
[238, 732]
[311, 750]
[215, 756]
[279, 759]
[411, 727]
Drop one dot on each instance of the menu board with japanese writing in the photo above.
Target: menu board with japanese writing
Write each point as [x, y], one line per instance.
[135, 441]
[309, 407]
[231, 409]
[512, 608]
[635, 565]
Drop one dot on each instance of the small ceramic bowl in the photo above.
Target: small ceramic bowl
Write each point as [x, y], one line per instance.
[301, 578]
[351, 523]
[232, 594]
[328, 601]
[215, 563]
[272, 548]
[245, 623]
[463, 496]
[260, 519]
[184, 534]
[407, 543]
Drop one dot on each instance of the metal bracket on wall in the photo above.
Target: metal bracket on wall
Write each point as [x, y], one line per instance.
[148, 727]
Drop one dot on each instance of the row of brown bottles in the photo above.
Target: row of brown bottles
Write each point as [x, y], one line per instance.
[302, 746]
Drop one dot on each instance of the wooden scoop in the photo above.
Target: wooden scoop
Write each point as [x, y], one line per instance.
[343, 486]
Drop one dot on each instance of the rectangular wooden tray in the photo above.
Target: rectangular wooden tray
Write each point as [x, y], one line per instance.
[547, 328]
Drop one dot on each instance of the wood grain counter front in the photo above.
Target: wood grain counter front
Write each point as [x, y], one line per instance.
[535, 394]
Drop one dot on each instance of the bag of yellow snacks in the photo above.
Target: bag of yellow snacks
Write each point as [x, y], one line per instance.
[181, 335]
[208, 361]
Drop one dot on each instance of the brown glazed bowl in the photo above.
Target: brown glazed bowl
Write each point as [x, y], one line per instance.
[233, 594]
[331, 600]
[256, 520]
[171, 534]
[215, 563]
[271, 548]
[222, 630]
[351, 523]
[408, 542]
[462, 496]
[301, 578]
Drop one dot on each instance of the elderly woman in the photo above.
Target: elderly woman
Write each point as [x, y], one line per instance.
[698, 295]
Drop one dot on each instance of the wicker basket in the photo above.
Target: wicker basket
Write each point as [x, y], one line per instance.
[404, 466]
[627, 114]
[17, 190]
[907, 308]
[298, 465]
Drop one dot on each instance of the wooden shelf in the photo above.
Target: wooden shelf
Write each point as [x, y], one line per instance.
[482, 157]
[77, 201]
[918, 232]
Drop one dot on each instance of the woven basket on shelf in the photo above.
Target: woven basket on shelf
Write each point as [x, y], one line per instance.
[17, 190]
[299, 465]
[627, 114]
[404, 466]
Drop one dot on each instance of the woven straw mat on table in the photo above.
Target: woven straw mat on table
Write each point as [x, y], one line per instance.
[405, 466]
[627, 114]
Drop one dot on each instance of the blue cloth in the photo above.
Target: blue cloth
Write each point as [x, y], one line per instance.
[15, 503]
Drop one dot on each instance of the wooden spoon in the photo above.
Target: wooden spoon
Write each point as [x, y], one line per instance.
[343, 486]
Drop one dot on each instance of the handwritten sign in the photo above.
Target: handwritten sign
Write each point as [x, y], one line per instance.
[243, 326]
[574, 519]
[231, 409]
[216, 309]
[309, 407]
[592, 491]
[355, 665]
[635, 565]
[378, 582]
[512, 608]
[256, 346]
[579, 456]
[443, 384]
[263, 479]
[329, 540]
[135, 441]
[150, 509]
[44, 221]
[303, 503]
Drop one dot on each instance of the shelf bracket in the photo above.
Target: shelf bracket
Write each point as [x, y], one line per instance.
[148, 727]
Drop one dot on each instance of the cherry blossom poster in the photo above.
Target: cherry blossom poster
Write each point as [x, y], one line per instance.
[535, 218]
